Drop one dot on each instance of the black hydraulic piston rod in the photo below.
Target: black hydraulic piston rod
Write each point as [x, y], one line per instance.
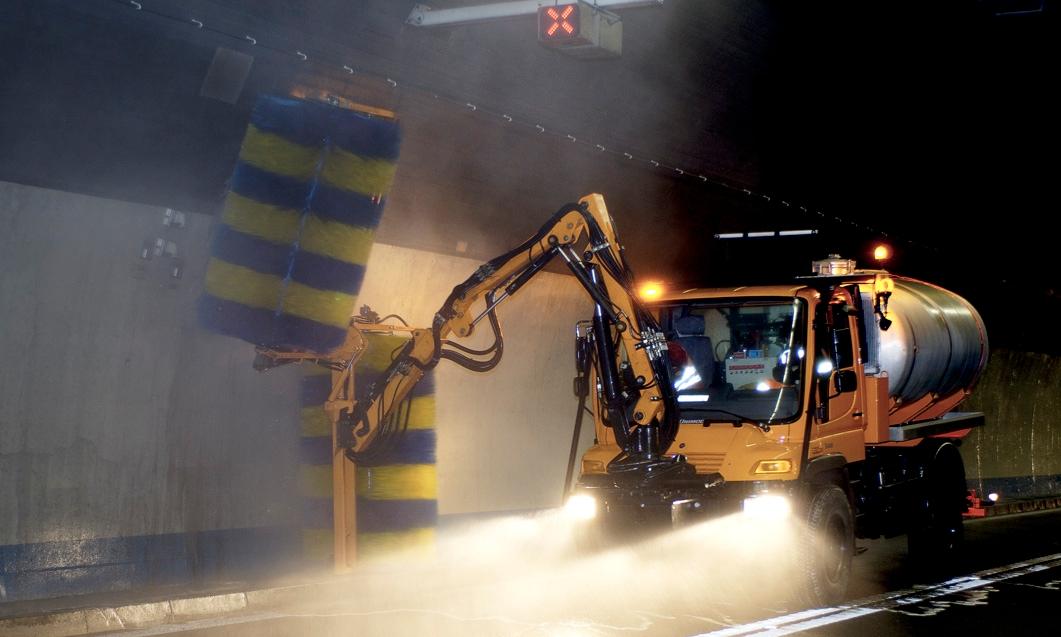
[582, 388]
[529, 273]
[602, 338]
[586, 275]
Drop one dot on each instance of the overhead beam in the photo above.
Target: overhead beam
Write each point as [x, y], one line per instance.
[423, 16]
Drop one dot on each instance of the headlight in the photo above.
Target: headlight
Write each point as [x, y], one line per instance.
[768, 505]
[581, 507]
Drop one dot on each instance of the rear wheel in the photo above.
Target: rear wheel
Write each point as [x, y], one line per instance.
[936, 531]
[827, 546]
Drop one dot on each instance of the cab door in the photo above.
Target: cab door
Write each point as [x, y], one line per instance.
[838, 417]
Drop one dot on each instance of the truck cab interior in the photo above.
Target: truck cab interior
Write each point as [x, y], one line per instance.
[737, 359]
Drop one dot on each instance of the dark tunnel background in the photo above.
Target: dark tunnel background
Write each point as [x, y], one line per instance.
[931, 127]
[136, 444]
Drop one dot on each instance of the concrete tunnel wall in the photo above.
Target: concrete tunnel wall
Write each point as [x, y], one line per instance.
[137, 448]
[503, 436]
[1017, 453]
[134, 447]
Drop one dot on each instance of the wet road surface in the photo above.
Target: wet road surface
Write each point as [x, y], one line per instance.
[1008, 580]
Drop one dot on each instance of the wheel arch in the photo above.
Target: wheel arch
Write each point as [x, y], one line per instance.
[830, 469]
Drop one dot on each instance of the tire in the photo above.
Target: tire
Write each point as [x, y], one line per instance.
[827, 545]
[936, 533]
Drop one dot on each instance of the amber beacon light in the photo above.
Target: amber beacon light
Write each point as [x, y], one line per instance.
[650, 290]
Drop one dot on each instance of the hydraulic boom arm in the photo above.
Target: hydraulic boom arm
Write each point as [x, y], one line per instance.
[629, 351]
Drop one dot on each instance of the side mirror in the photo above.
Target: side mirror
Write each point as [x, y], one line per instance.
[845, 381]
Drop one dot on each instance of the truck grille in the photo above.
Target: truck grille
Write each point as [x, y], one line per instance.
[706, 462]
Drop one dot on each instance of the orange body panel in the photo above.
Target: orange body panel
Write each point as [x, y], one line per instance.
[877, 401]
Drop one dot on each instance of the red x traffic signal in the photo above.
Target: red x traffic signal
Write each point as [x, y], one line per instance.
[559, 23]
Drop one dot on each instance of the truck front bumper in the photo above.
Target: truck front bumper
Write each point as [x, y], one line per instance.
[626, 511]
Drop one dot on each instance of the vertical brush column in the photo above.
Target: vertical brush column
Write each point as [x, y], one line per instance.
[344, 207]
[306, 197]
[315, 468]
[397, 497]
[352, 176]
[258, 235]
[289, 255]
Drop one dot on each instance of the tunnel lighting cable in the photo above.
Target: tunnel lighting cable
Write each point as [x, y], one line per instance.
[319, 58]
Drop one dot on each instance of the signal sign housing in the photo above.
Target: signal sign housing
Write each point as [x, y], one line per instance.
[580, 30]
[558, 25]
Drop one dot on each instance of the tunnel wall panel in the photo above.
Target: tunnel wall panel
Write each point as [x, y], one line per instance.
[1018, 451]
[137, 448]
[123, 423]
[503, 436]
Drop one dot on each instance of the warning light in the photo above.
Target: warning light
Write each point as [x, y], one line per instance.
[580, 29]
[559, 23]
[881, 253]
[650, 290]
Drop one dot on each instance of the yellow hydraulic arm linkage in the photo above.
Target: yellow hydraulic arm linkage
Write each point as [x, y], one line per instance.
[629, 351]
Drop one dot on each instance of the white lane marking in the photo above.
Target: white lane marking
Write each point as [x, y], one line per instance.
[971, 597]
[1052, 585]
[817, 617]
[744, 629]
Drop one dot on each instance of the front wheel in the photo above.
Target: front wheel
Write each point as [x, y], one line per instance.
[826, 547]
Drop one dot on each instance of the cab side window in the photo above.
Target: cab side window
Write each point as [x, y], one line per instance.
[843, 354]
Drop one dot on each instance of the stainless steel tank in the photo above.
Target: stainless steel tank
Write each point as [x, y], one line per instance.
[936, 344]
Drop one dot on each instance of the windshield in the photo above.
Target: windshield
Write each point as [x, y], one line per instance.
[736, 359]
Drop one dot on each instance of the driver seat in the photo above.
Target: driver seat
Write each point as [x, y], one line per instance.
[697, 345]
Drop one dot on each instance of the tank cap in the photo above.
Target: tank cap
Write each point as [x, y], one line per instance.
[833, 265]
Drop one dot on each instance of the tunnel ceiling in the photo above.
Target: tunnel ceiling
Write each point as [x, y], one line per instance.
[880, 117]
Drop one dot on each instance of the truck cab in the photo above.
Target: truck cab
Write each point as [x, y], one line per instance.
[747, 367]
